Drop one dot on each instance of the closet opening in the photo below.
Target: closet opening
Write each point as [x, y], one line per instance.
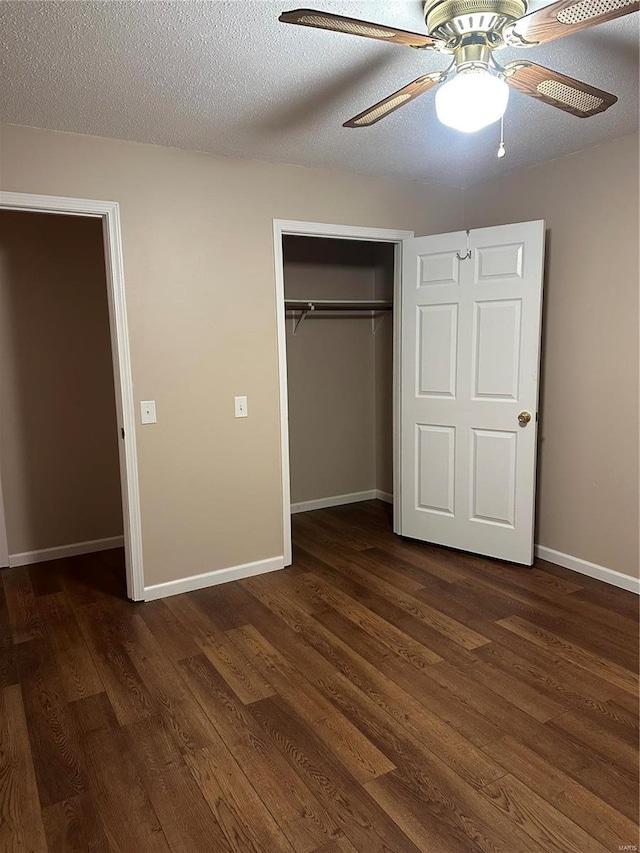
[339, 300]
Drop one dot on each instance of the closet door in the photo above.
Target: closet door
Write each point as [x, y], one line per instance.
[470, 352]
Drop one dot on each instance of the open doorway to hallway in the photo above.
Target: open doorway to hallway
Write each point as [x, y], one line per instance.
[59, 434]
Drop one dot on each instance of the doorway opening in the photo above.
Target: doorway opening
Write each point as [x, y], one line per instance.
[337, 287]
[69, 466]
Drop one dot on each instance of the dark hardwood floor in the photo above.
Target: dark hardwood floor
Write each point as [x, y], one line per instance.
[380, 695]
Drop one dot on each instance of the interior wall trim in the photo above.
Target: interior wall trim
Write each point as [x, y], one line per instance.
[28, 558]
[4, 545]
[584, 567]
[233, 573]
[334, 500]
[109, 213]
[387, 497]
[339, 232]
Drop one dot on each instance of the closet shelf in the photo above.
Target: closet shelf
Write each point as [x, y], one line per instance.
[338, 305]
[309, 306]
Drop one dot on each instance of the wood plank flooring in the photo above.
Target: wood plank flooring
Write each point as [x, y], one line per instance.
[380, 695]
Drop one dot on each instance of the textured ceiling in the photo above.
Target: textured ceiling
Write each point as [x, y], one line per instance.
[226, 77]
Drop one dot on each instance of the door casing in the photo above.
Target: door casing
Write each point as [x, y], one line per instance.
[109, 213]
[4, 545]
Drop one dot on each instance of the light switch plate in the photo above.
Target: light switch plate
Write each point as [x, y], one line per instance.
[241, 407]
[148, 412]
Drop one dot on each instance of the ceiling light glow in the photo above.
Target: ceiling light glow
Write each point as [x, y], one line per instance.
[472, 100]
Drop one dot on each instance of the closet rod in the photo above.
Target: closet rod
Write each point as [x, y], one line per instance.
[338, 305]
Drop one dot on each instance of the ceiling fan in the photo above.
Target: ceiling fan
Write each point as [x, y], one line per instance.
[476, 90]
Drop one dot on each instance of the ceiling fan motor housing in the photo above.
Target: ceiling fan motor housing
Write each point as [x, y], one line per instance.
[454, 21]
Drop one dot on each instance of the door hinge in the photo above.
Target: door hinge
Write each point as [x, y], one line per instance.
[122, 431]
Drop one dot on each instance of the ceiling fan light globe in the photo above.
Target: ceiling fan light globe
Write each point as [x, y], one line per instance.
[473, 99]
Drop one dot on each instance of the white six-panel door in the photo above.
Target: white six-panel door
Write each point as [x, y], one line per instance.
[470, 353]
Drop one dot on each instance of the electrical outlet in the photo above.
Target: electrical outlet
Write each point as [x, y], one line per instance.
[148, 412]
[241, 407]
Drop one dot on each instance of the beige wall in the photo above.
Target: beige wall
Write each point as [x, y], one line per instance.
[339, 397]
[58, 431]
[588, 463]
[198, 257]
[383, 356]
[330, 371]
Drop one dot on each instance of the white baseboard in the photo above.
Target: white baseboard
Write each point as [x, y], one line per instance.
[335, 500]
[384, 496]
[584, 567]
[27, 558]
[234, 573]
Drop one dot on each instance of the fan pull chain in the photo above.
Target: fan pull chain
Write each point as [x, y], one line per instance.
[501, 149]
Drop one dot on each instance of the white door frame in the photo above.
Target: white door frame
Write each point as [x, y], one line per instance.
[4, 545]
[109, 213]
[282, 227]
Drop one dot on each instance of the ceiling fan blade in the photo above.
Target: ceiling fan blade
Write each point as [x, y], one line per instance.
[398, 99]
[557, 89]
[354, 26]
[564, 18]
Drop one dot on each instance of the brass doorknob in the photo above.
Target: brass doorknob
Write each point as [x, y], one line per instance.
[524, 418]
